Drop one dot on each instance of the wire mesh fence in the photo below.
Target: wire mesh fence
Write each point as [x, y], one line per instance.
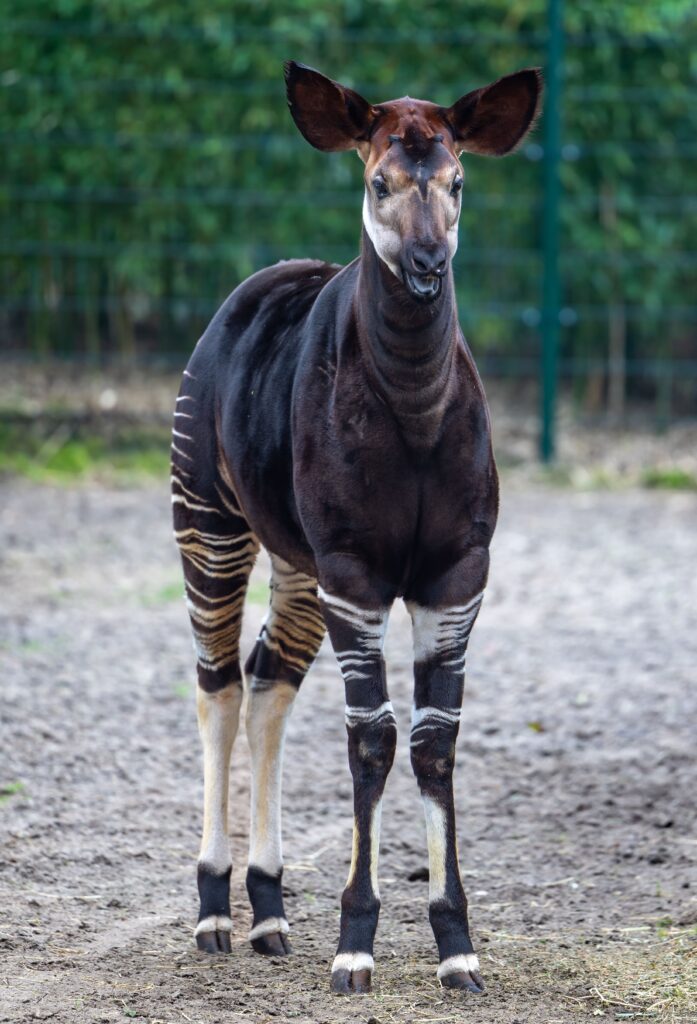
[149, 164]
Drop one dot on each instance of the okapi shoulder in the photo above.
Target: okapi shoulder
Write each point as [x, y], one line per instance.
[291, 285]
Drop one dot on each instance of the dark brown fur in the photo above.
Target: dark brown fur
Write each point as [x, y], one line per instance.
[337, 417]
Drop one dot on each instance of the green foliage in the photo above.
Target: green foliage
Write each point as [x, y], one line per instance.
[670, 478]
[70, 453]
[11, 789]
[258, 593]
[165, 594]
[150, 164]
[183, 690]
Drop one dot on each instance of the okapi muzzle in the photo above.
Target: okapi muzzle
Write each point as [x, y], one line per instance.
[412, 206]
[334, 416]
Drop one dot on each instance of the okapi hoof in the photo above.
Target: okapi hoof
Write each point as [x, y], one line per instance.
[461, 972]
[270, 937]
[213, 935]
[472, 982]
[273, 944]
[352, 974]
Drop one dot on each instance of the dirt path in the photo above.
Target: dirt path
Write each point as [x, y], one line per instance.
[576, 779]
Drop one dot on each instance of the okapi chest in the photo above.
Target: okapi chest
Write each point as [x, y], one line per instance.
[335, 416]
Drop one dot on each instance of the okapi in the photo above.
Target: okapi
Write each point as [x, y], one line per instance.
[335, 416]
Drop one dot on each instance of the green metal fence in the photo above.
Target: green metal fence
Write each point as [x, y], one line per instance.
[149, 164]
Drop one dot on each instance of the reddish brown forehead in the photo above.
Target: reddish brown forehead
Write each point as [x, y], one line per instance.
[407, 119]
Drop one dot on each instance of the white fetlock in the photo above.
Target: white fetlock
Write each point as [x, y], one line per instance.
[218, 923]
[268, 926]
[463, 964]
[353, 962]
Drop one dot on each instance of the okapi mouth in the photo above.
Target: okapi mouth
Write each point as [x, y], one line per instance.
[423, 287]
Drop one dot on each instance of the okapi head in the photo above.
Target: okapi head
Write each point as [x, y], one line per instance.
[411, 149]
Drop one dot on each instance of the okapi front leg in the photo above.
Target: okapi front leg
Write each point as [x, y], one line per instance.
[357, 635]
[440, 645]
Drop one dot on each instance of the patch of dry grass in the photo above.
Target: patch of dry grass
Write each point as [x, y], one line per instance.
[638, 973]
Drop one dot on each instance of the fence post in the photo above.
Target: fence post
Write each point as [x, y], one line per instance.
[550, 227]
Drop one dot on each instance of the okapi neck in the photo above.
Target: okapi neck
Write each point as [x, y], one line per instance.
[408, 346]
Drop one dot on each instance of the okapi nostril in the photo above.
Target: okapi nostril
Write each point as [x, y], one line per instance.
[426, 262]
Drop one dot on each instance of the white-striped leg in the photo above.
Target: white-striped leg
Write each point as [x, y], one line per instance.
[440, 645]
[290, 637]
[357, 635]
[218, 550]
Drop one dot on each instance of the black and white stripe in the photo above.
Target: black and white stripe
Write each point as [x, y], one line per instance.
[359, 716]
[423, 720]
[442, 634]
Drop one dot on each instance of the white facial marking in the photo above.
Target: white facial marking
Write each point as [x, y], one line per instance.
[386, 241]
[453, 239]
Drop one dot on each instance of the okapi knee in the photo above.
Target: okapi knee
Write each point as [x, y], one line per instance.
[371, 748]
[433, 753]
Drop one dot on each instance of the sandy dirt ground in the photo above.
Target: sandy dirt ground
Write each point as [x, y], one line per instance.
[575, 779]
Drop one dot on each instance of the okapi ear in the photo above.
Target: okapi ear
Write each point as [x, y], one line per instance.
[493, 120]
[330, 116]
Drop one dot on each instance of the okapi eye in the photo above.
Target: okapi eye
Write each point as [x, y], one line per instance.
[456, 185]
[381, 189]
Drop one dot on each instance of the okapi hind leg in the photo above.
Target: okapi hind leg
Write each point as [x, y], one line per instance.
[218, 550]
[288, 642]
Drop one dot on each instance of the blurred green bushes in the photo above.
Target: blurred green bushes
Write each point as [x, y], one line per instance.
[149, 163]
